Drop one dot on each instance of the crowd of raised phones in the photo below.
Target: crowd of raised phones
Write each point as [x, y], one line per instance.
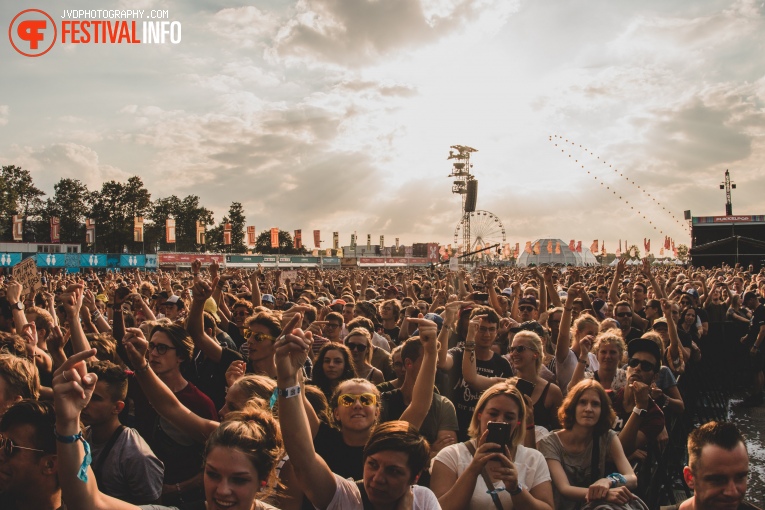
[384, 389]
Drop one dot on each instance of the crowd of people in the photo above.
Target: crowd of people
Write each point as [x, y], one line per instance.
[379, 389]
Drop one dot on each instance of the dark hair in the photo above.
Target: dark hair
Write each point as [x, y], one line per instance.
[12, 344]
[485, 313]
[40, 415]
[336, 316]
[361, 322]
[395, 304]
[567, 409]
[719, 433]
[267, 320]
[318, 401]
[318, 378]
[623, 303]
[400, 436]
[641, 284]
[105, 345]
[179, 337]
[242, 302]
[411, 349]
[114, 376]
[20, 376]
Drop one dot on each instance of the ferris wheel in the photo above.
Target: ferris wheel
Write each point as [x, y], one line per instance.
[486, 230]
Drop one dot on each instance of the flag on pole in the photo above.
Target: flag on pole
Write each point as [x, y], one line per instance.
[397, 243]
[579, 246]
[274, 237]
[527, 248]
[572, 245]
[369, 242]
[557, 247]
[170, 230]
[594, 247]
[536, 249]
[138, 229]
[603, 249]
[297, 241]
[647, 247]
[335, 240]
[18, 227]
[619, 249]
[55, 229]
[667, 243]
[201, 232]
[317, 238]
[382, 243]
[517, 251]
[251, 237]
[90, 231]
[661, 250]
[549, 246]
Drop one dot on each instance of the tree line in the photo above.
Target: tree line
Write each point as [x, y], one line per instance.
[113, 209]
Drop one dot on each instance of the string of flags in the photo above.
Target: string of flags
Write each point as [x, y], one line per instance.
[560, 141]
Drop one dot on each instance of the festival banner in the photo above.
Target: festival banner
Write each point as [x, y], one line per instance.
[317, 238]
[527, 249]
[572, 245]
[251, 237]
[274, 238]
[138, 229]
[90, 231]
[335, 240]
[200, 233]
[55, 229]
[517, 251]
[18, 227]
[369, 242]
[297, 241]
[382, 243]
[619, 249]
[227, 234]
[536, 249]
[603, 249]
[557, 247]
[549, 246]
[170, 230]
[594, 247]
[353, 241]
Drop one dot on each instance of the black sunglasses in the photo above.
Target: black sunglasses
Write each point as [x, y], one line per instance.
[356, 347]
[518, 348]
[161, 348]
[645, 366]
[624, 314]
[9, 447]
[526, 308]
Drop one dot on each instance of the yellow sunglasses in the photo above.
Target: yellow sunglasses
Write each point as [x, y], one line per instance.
[348, 399]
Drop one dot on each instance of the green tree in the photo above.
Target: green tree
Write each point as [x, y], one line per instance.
[18, 195]
[263, 244]
[113, 210]
[186, 213]
[682, 252]
[629, 251]
[70, 203]
[236, 218]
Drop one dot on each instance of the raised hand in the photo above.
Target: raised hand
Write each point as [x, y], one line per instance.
[136, 346]
[235, 371]
[201, 290]
[292, 348]
[29, 334]
[72, 387]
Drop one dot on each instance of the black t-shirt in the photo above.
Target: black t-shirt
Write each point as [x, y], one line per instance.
[210, 377]
[343, 460]
[758, 319]
[236, 335]
[463, 396]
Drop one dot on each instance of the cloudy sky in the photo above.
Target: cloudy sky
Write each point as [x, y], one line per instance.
[338, 114]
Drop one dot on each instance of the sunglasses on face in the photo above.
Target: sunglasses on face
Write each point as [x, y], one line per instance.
[645, 366]
[526, 308]
[161, 348]
[9, 447]
[261, 337]
[356, 347]
[332, 325]
[624, 314]
[519, 349]
[241, 313]
[365, 399]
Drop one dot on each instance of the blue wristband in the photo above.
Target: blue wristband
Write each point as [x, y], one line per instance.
[86, 460]
[617, 480]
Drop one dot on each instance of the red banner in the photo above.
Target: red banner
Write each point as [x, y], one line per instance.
[594, 247]
[18, 228]
[274, 238]
[200, 233]
[90, 231]
[55, 229]
[138, 229]
[167, 258]
[251, 237]
[227, 234]
[297, 241]
[317, 239]
[579, 246]
[170, 230]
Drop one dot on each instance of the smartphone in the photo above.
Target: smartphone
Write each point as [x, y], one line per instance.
[499, 433]
[525, 387]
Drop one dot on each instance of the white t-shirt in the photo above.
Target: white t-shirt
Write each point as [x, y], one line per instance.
[348, 497]
[565, 371]
[531, 466]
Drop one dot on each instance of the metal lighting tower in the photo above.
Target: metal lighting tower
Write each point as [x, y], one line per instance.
[461, 174]
[726, 185]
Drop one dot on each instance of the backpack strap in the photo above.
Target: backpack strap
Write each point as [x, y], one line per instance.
[486, 479]
[98, 465]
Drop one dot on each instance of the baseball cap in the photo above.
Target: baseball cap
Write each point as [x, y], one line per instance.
[435, 318]
[211, 307]
[174, 300]
[338, 302]
[644, 345]
[528, 300]
[267, 298]
[533, 326]
[507, 292]
[660, 320]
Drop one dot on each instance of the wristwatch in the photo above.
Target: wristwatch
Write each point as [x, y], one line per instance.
[18, 305]
[639, 412]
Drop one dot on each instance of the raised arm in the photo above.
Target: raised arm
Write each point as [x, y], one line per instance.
[161, 398]
[469, 370]
[72, 388]
[200, 292]
[646, 270]
[563, 344]
[314, 476]
[552, 292]
[72, 302]
[422, 393]
[613, 293]
[255, 284]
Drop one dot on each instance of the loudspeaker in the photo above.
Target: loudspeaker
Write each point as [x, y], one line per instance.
[688, 214]
[472, 195]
